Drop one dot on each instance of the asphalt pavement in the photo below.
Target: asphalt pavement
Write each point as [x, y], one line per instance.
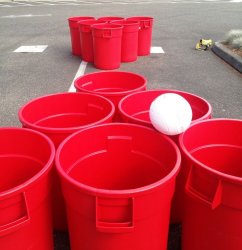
[178, 26]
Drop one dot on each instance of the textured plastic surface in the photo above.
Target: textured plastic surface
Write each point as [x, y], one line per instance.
[213, 205]
[107, 41]
[118, 188]
[86, 38]
[110, 18]
[58, 116]
[26, 159]
[145, 34]
[75, 34]
[139, 114]
[129, 51]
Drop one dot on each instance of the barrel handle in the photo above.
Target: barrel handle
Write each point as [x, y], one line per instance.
[17, 223]
[107, 33]
[146, 24]
[214, 201]
[114, 215]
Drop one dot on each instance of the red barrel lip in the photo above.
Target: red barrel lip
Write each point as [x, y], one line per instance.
[117, 93]
[140, 18]
[47, 167]
[120, 109]
[90, 22]
[110, 18]
[79, 18]
[125, 192]
[63, 130]
[200, 164]
[125, 22]
[103, 26]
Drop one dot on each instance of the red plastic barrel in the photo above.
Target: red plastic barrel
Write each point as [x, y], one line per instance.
[110, 18]
[75, 34]
[58, 116]
[107, 40]
[118, 187]
[213, 215]
[87, 39]
[113, 85]
[26, 159]
[135, 107]
[129, 50]
[145, 34]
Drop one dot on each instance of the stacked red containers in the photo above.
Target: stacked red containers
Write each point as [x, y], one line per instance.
[110, 40]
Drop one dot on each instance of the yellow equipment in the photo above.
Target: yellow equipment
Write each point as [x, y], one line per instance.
[204, 44]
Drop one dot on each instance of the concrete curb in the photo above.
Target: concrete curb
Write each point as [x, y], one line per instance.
[228, 56]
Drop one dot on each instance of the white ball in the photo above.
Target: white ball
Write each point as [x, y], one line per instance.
[170, 114]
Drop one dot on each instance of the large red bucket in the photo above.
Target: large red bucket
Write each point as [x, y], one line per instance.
[107, 41]
[26, 159]
[87, 39]
[118, 188]
[60, 115]
[75, 34]
[135, 107]
[113, 85]
[212, 150]
[145, 34]
[129, 50]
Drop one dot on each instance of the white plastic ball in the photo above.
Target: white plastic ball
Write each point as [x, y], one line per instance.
[170, 114]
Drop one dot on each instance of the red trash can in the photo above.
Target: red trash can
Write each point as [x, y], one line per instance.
[212, 151]
[110, 18]
[129, 51]
[86, 38]
[107, 41]
[145, 34]
[118, 187]
[113, 85]
[26, 159]
[134, 108]
[75, 34]
[58, 116]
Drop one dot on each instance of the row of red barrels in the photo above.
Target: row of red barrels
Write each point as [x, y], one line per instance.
[115, 180]
[108, 41]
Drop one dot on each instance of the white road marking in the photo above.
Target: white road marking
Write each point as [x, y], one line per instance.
[31, 49]
[80, 72]
[156, 50]
[236, 1]
[28, 15]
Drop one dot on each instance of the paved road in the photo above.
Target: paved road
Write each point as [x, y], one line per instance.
[7, 3]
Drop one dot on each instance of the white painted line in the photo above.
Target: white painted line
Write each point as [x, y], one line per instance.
[236, 1]
[80, 72]
[28, 15]
[157, 50]
[31, 49]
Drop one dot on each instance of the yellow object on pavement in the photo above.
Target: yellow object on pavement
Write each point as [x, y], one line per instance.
[204, 44]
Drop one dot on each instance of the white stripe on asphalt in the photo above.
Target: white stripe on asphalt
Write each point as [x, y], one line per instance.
[28, 15]
[31, 49]
[80, 72]
[156, 50]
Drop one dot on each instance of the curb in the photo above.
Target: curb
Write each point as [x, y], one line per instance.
[227, 55]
